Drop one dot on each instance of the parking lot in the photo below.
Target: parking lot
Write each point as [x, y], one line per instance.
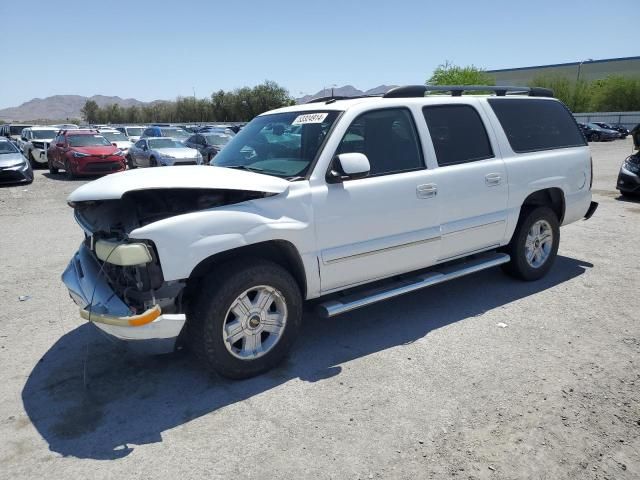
[482, 377]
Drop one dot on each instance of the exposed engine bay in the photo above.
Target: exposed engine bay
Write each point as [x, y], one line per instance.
[142, 286]
[116, 218]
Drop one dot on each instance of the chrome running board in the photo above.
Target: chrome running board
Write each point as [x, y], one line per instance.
[409, 284]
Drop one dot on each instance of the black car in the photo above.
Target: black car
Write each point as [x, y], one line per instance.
[14, 167]
[618, 128]
[595, 133]
[629, 176]
[208, 143]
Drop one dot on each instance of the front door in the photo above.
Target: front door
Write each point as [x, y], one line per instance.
[386, 223]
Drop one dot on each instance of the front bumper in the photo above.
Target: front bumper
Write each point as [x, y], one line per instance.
[39, 155]
[90, 290]
[628, 182]
[16, 174]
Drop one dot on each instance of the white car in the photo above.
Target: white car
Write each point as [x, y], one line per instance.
[375, 197]
[34, 143]
[133, 132]
[117, 139]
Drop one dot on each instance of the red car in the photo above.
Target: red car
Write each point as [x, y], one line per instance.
[84, 152]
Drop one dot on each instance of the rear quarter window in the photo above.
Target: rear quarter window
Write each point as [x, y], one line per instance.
[533, 125]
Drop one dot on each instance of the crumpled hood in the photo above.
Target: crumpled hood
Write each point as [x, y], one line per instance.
[114, 186]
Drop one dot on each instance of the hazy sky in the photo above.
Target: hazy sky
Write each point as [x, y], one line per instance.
[161, 49]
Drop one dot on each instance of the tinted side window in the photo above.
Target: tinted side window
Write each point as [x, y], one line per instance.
[533, 124]
[457, 133]
[388, 139]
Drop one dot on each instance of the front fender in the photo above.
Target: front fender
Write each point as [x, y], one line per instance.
[184, 241]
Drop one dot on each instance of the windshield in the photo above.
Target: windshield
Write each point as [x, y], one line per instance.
[7, 147]
[87, 140]
[115, 136]
[17, 129]
[43, 134]
[134, 131]
[274, 145]
[217, 139]
[174, 132]
[165, 143]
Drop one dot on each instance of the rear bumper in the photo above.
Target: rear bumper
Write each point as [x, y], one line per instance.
[99, 304]
[592, 209]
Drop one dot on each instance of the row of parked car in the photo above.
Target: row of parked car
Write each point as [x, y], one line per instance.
[99, 149]
[603, 132]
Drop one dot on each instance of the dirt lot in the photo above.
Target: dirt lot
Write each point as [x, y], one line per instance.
[423, 386]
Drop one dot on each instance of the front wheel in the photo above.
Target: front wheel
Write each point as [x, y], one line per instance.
[534, 245]
[130, 162]
[595, 137]
[244, 322]
[53, 170]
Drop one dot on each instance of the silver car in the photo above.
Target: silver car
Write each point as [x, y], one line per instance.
[160, 152]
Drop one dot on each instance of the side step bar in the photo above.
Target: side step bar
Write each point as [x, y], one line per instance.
[406, 285]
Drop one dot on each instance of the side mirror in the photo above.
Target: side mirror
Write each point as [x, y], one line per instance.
[348, 166]
[145, 148]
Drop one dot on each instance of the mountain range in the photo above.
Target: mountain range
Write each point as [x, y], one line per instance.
[59, 107]
[62, 107]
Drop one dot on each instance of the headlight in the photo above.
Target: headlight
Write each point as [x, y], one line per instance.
[118, 153]
[80, 154]
[169, 157]
[631, 166]
[123, 254]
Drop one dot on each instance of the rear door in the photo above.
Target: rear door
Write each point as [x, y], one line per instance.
[471, 179]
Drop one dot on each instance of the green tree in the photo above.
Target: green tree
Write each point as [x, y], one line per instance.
[450, 74]
[577, 96]
[616, 93]
[90, 111]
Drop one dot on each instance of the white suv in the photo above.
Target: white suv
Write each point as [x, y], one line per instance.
[319, 201]
[34, 143]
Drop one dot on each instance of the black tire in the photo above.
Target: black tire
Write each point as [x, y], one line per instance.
[130, 163]
[69, 171]
[153, 162]
[53, 170]
[216, 294]
[34, 165]
[519, 267]
[595, 137]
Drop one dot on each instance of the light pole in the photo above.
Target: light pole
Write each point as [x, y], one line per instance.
[575, 93]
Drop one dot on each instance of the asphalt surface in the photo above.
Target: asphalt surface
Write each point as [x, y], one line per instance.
[480, 378]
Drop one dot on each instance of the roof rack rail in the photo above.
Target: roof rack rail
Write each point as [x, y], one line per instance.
[457, 90]
[338, 97]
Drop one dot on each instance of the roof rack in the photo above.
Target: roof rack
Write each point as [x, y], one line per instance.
[338, 97]
[457, 90]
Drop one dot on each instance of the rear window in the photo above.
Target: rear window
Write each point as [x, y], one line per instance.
[534, 125]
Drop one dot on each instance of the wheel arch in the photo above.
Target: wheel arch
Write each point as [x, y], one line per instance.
[282, 252]
[552, 197]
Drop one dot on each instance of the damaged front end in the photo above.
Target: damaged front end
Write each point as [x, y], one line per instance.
[117, 281]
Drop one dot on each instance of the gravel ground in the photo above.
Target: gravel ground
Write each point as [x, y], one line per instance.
[423, 386]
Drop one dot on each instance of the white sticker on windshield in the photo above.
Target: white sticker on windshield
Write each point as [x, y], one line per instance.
[309, 118]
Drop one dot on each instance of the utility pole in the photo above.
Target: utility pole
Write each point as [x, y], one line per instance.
[575, 93]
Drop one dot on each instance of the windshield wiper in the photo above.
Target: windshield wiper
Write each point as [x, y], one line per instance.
[245, 167]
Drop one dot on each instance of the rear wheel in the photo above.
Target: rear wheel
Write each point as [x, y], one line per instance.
[595, 137]
[244, 323]
[534, 245]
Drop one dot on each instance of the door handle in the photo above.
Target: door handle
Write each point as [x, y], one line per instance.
[427, 190]
[493, 179]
